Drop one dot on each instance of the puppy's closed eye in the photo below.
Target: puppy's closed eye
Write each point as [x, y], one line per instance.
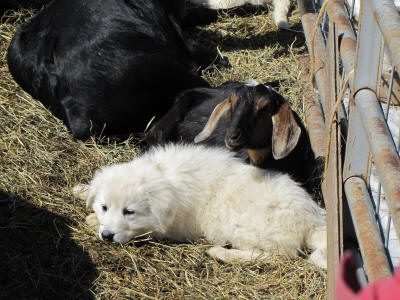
[128, 212]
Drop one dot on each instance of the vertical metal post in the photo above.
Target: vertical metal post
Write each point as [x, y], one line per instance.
[332, 190]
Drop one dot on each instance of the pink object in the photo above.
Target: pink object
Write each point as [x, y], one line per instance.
[348, 287]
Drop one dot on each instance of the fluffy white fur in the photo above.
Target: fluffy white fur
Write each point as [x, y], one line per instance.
[281, 7]
[184, 192]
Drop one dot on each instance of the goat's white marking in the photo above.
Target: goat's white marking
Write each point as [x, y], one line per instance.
[251, 82]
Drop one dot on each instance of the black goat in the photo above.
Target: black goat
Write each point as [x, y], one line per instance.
[243, 116]
[106, 66]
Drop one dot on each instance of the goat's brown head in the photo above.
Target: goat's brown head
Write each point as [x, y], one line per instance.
[260, 119]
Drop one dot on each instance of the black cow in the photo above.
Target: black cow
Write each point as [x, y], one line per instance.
[106, 66]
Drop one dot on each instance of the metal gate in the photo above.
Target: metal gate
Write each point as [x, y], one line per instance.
[361, 188]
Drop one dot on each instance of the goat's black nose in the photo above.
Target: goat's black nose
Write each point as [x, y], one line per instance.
[107, 235]
[235, 136]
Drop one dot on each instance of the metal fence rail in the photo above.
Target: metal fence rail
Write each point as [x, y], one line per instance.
[363, 172]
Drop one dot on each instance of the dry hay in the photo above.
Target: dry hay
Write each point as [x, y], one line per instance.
[47, 251]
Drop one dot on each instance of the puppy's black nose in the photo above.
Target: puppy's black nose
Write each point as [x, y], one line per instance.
[107, 235]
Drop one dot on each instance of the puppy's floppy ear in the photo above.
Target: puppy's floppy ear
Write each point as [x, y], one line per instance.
[286, 132]
[85, 193]
[164, 211]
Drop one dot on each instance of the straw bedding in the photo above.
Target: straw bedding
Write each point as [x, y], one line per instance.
[47, 251]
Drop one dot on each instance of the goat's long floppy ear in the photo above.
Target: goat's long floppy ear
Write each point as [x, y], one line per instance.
[82, 191]
[286, 132]
[221, 110]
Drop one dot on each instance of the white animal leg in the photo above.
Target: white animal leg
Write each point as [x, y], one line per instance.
[213, 4]
[318, 241]
[234, 255]
[281, 8]
[221, 4]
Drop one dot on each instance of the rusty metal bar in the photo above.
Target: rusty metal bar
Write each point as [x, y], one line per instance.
[337, 13]
[315, 124]
[348, 54]
[313, 108]
[388, 20]
[382, 148]
[373, 251]
[308, 18]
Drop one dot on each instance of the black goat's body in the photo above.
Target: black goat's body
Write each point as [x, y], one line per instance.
[105, 65]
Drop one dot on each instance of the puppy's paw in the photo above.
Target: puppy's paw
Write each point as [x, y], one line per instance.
[319, 258]
[318, 242]
[92, 221]
[235, 255]
[80, 191]
[217, 252]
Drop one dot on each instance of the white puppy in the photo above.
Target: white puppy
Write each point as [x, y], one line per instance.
[184, 192]
[281, 7]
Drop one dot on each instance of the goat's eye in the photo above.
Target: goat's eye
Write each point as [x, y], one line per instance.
[128, 212]
[104, 207]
